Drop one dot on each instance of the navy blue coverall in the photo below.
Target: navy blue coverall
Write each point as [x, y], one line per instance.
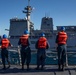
[61, 49]
[4, 55]
[41, 55]
[25, 54]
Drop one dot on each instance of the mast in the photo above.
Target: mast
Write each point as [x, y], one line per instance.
[28, 2]
[28, 10]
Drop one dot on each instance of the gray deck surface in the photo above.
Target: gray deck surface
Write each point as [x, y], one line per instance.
[49, 70]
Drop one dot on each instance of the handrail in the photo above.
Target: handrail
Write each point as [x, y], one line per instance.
[17, 50]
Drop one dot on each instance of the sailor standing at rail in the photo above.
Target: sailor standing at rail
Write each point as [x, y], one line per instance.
[41, 45]
[61, 40]
[25, 49]
[5, 43]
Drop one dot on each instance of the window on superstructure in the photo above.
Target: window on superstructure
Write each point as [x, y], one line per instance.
[48, 24]
[44, 22]
[12, 37]
[72, 28]
[46, 19]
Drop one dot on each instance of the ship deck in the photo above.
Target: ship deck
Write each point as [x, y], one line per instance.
[49, 70]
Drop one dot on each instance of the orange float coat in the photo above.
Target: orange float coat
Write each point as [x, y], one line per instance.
[5, 43]
[24, 40]
[62, 37]
[42, 42]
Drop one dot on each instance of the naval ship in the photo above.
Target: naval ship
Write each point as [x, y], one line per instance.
[17, 27]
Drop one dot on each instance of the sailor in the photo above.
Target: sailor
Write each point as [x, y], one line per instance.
[61, 40]
[25, 49]
[41, 45]
[5, 43]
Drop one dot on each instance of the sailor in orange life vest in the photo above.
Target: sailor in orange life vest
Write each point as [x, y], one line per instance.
[61, 40]
[5, 43]
[41, 45]
[25, 49]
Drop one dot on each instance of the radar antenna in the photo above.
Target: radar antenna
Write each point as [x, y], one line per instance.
[28, 10]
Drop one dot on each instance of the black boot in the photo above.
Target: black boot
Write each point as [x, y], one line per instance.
[8, 63]
[59, 67]
[37, 68]
[27, 67]
[4, 67]
[42, 67]
[63, 68]
[22, 67]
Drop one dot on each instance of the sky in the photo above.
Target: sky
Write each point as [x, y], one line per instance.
[63, 12]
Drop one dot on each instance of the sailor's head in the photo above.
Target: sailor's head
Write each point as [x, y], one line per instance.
[4, 36]
[26, 32]
[42, 35]
[62, 28]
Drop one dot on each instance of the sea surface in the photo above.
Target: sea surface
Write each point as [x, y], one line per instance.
[51, 58]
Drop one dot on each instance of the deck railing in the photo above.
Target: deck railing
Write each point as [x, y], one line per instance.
[51, 57]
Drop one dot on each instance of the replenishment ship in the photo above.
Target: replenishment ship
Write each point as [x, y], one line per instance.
[17, 27]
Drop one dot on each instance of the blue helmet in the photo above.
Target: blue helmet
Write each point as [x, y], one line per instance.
[42, 34]
[63, 28]
[4, 36]
[26, 32]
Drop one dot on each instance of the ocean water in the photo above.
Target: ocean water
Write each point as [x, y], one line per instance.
[51, 58]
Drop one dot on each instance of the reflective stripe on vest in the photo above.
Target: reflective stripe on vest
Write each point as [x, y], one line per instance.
[42, 42]
[62, 37]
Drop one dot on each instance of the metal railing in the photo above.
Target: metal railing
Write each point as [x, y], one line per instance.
[15, 56]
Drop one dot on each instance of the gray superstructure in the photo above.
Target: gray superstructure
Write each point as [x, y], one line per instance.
[17, 27]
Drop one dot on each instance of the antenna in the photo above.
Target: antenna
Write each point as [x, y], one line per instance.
[28, 2]
[45, 14]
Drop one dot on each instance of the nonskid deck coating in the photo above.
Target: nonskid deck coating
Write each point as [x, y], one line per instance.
[49, 70]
